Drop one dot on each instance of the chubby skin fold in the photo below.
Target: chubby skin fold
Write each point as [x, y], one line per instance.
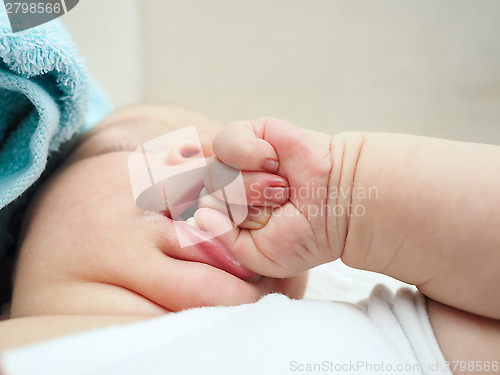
[345, 153]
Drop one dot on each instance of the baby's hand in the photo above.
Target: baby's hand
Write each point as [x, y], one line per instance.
[283, 240]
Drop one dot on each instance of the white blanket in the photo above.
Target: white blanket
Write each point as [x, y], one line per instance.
[385, 333]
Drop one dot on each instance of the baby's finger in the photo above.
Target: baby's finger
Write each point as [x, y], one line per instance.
[243, 216]
[239, 144]
[256, 188]
[237, 213]
[265, 189]
[218, 224]
[264, 251]
[257, 218]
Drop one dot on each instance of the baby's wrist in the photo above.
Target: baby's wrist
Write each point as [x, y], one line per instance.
[346, 148]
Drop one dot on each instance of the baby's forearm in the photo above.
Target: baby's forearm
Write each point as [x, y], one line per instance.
[423, 210]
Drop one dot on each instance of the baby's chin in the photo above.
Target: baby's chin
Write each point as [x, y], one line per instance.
[293, 287]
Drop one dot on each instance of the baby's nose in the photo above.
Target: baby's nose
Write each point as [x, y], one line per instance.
[184, 152]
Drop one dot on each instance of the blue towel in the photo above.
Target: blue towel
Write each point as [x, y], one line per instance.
[46, 101]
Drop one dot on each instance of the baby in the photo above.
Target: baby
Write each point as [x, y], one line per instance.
[85, 242]
[97, 244]
[430, 218]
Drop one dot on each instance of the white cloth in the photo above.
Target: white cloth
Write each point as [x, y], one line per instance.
[385, 333]
[334, 281]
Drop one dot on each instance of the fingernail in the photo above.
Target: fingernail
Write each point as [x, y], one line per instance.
[278, 181]
[276, 194]
[270, 165]
[253, 225]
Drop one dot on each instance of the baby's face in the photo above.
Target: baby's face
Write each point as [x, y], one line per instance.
[87, 248]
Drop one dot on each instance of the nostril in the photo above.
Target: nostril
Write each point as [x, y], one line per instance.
[189, 152]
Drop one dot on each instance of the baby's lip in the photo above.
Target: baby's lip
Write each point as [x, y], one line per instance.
[210, 250]
[207, 249]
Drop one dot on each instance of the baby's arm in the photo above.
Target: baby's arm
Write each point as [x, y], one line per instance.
[434, 221]
[435, 224]
[423, 210]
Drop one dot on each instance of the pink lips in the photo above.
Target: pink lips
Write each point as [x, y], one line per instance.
[209, 250]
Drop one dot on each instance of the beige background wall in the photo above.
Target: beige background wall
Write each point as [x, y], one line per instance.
[423, 67]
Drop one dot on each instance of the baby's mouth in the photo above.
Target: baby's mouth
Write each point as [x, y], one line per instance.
[204, 247]
[176, 198]
[186, 215]
[210, 250]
